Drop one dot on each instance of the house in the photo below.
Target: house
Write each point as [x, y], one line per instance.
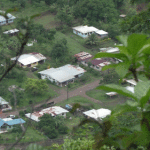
[30, 60]
[4, 21]
[99, 63]
[62, 75]
[53, 111]
[97, 114]
[85, 31]
[12, 32]
[8, 123]
[4, 105]
[83, 57]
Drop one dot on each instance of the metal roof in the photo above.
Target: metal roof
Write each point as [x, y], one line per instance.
[99, 113]
[82, 56]
[2, 101]
[104, 64]
[101, 32]
[97, 61]
[27, 59]
[11, 122]
[2, 18]
[85, 29]
[53, 111]
[11, 31]
[63, 73]
[113, 50]
[111, 93]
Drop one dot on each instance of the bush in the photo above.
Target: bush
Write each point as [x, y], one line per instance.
[17, 129]
[63, 129]
[84, 78]
[22, 113]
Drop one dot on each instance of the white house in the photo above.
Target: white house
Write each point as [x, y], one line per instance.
[97, 114]
[4, 21]
[85, 31]
[30, 60]
[4, 105]
[132, 82]
[53, 111]
[62, 75]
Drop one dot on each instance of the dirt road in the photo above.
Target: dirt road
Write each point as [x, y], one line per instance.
[63, 96]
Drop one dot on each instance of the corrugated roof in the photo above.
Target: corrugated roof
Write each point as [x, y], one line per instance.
[101, 32]
[63, 73]
[11, 121]
[97, 61]
[82, 56]
[11, 31]
[130, 88]
[85, 29]
[27, 59]
[100, 113]
[2, 18]
[55, 110]
[113, 50]
[15, 121]
[2, 101]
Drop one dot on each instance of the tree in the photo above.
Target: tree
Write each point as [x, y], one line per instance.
[65, 14]
[134, 52]
[92, 40]
[60, 50]
[36, 86]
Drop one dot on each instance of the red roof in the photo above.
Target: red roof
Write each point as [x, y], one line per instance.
[97, 61]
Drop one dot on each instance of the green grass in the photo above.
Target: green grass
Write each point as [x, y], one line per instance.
[81, 100]
[31, 135]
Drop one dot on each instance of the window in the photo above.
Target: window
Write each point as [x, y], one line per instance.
[62, 113]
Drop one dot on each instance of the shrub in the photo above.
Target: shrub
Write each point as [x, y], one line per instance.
[63, 129]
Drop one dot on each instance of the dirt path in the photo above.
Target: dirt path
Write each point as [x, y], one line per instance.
[63, 96]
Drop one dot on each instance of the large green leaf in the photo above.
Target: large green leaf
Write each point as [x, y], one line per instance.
[136, 42]
[119, 56]
[123, 39]
[122, 69]
[124, 50]
[119, 89]
[109, 66]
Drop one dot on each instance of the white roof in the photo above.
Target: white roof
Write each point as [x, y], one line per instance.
[7, 119]
[27, 59]
[131, 81]
[100, 113]
[63, 73]
[32, 116]
[112, 50]
[53, 111]
[130, 88]
[101, 32]
[111, 93]
[2, 18]
[11, 31]
[85, 29]
[2, 101]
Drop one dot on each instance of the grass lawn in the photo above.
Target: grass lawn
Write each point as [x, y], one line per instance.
[108, 102]
[30, 136]
[81, 100]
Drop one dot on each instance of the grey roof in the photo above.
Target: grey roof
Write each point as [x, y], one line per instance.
[2, 101]
[63, 73]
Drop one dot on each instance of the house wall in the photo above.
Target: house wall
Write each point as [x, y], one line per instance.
[2, 23]
[84, 63]
[34, 64]
[80, 34]
[10, 20]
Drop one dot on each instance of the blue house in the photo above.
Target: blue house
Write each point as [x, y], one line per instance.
[8, 123]
[85, 31]
[4, 21]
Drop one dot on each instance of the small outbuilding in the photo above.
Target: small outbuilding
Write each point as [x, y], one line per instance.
[97, 114]
[4, 105]
[12, 32]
